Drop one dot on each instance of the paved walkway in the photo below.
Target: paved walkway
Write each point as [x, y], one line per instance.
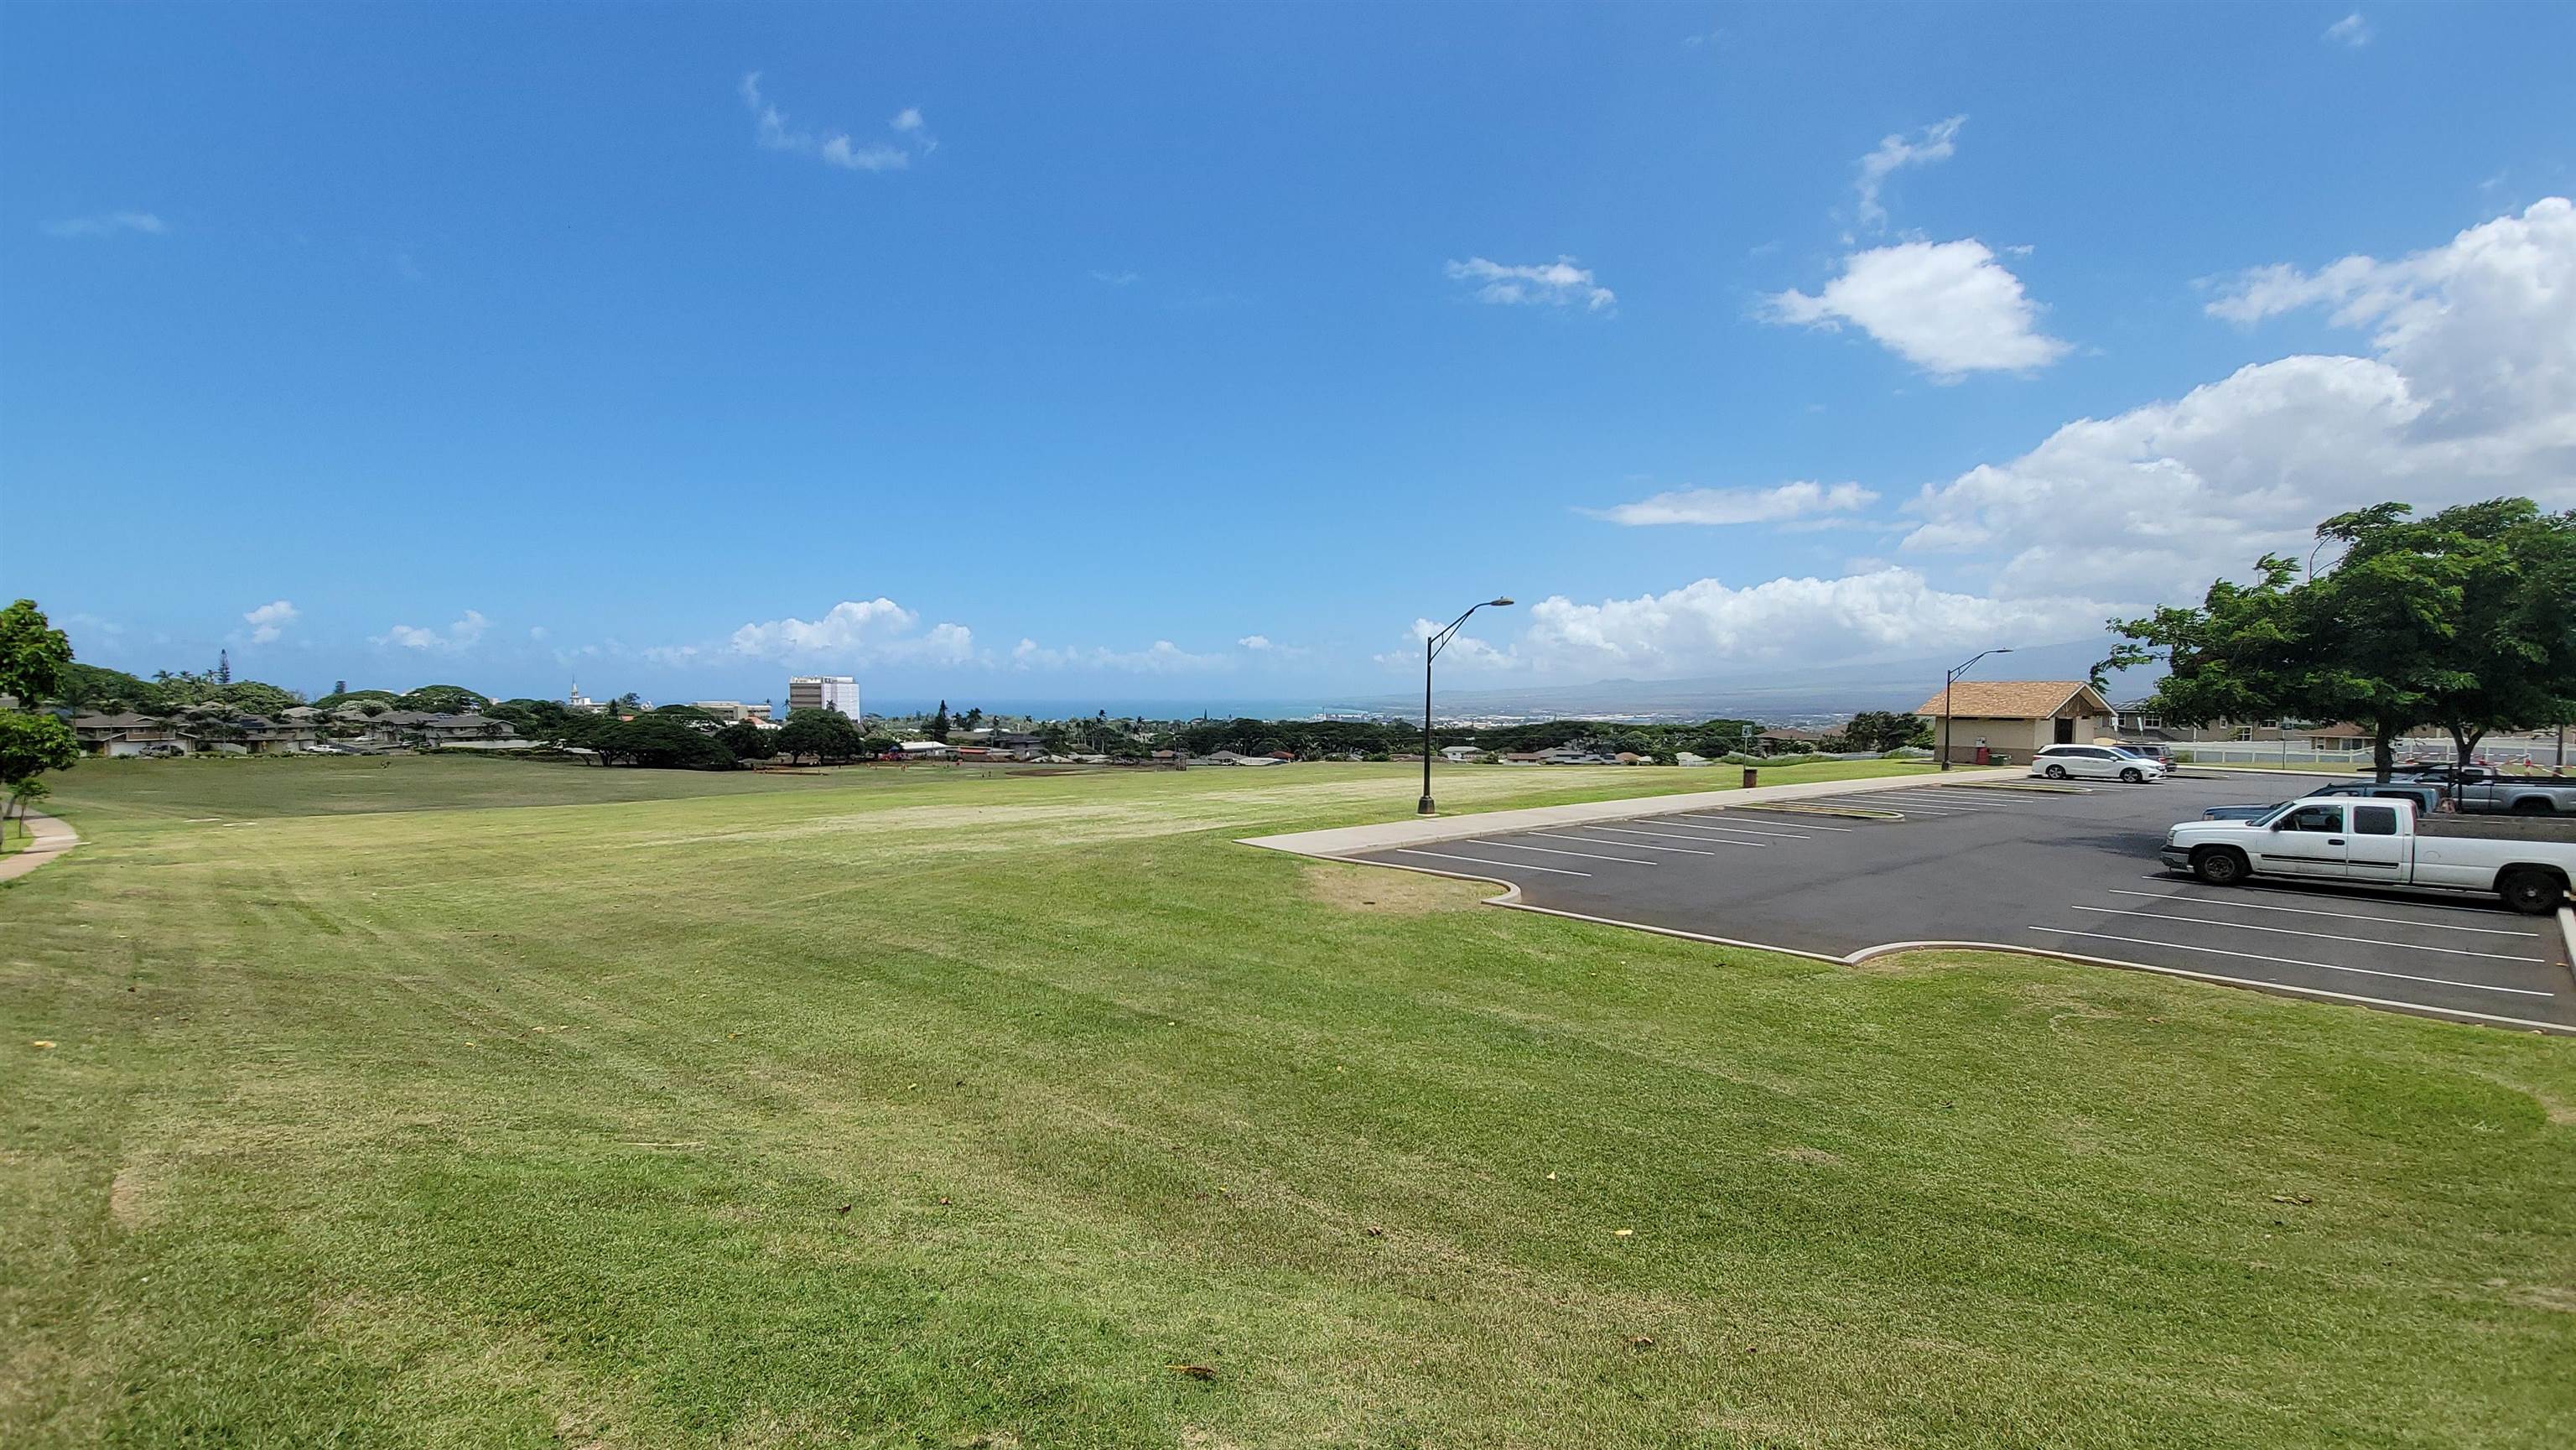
[52, 839]
[1423, 830]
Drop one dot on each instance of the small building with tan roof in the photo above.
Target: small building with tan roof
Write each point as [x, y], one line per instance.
[2012, 720]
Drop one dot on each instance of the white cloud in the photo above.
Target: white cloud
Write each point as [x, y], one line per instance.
[2468, 392]
[1741, 505]
[773, 131]
[1936, 142]
[1949, 308]
[269, 621]
[1115, 279]
[1255, 642]
[1550, 284]
[2352, 32]
[458, 636]
[107, 224]
[1160, 658]
[857, 631]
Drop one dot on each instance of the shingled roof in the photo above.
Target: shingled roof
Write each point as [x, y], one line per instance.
[2014, 699]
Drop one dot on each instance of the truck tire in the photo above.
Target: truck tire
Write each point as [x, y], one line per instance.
[2532, 891]
[2533, 805]
[2220, 866]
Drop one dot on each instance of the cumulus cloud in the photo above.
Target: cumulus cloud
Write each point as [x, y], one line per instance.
[1254, 642]
[107, 224]
[858, 631]
[1741, 505]
[269, 621]
[774, 132]
[458, 636]
[1162, 657]
[2352, 32]
[2468, 391]
[1710, 625]
[1936, 142]
[1545, 284]
[1949, 308]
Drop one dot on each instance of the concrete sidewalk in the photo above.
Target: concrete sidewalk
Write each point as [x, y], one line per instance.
[1424, 830]
[52, 838]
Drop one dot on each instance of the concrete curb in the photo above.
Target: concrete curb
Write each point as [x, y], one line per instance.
[2567, 932]
[1428, 830]
[52, 838]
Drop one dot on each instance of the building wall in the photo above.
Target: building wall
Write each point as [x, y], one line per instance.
[2011, 740]
[823, 692]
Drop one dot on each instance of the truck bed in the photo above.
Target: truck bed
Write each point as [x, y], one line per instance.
[2499, 827]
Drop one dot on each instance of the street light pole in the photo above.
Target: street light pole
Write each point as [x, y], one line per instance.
[1947, 681]
[1431, 648]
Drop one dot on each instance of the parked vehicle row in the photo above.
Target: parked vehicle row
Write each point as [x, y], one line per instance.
[2383, 839]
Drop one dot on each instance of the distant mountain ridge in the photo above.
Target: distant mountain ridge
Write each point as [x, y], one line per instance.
[1767, 693]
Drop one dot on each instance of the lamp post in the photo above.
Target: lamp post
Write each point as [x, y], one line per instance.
[1947, 681]
[1431, 648]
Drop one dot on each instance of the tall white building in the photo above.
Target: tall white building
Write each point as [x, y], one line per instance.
[823, 692]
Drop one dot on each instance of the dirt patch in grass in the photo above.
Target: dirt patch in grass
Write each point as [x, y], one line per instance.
[1816, 1156]
[1393, 893]
[129, 1198]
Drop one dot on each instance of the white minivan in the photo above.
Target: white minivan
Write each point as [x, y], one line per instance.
[2094, 762]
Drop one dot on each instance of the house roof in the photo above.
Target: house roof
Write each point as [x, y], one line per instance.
[2015, 699]
[127, 721]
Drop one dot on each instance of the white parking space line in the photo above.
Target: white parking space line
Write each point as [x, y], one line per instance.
[2316, 935]
[2312, 911]
[1802, 825]
[1481, 861]
[1642, 846]
[1738, 830]
[1666, 835]
[1553, 851]
[1909, 808]
[1929, 803]
[2285, 961]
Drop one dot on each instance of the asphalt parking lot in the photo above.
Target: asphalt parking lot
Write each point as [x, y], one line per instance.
[2069, 871]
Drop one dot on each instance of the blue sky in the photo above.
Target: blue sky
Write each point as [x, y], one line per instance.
[1197, 352]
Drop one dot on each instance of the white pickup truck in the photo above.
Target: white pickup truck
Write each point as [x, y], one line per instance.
[2358, 840]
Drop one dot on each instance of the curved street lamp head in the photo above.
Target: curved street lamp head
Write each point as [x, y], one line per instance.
[1498, 601]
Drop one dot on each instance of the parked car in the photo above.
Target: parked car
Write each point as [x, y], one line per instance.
[2484, 790]
[2379, 841]
[2428, 799]
[2094, 762]
[2161, 754]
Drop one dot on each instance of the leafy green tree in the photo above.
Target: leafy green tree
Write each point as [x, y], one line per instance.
[442, 700]
[938, 728]
[95, 687]
[748, 741]
[827, 736]
[1885, 730]
[23, 795]
[974, 717]
[2502, 574]
[337, 698]
[1055, 738]
[661, 742]
[31, 744]
[33, 654]
[879, 746]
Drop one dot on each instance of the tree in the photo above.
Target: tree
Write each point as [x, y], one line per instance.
[1056, 739]
[95, 687]
[442, 700]
[827, 735]
[939, 723]
[1885, 730]
[2500, 574]
[974, 716]
[22, 795]
[33, 654]
[748, 741]
[660, 742]
[32, 744]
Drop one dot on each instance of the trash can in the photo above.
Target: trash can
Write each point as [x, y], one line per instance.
[1981, 755]
[1748, 777]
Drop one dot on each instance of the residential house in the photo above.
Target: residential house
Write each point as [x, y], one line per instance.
[247, 735]
[924, 749]
[466, 730]
[127, 734]
[1785, 740]
[2006, 722]
[1464, 754]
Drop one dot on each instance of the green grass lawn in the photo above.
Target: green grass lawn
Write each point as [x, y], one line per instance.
[435, 1102]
